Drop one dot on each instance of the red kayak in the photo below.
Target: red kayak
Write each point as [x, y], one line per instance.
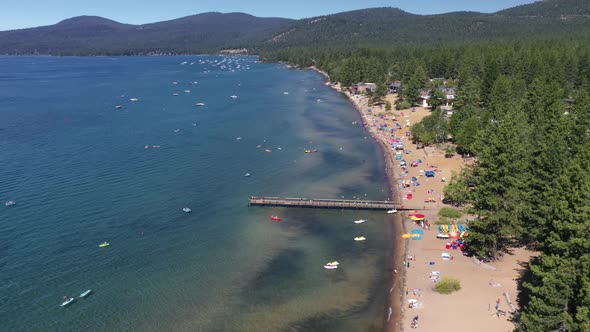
[276, 218]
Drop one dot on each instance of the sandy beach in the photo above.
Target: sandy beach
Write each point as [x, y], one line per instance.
[484, 288]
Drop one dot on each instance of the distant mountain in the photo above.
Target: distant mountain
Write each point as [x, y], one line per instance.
[86, 35]
[550, 8]
[211, 32]
[392, 26]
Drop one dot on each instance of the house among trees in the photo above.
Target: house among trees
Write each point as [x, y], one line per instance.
[424, 98]
[449, 94]
[394, 87]
[363, 88]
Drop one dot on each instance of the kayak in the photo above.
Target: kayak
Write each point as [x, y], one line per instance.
[86, 293]
[360, 221]
[68, 302]
[104, 244]
[276, 218]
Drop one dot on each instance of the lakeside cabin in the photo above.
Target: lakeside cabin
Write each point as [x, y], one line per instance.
[362, 88]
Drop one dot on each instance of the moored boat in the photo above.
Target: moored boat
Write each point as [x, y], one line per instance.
[67, 301]
[86, 293]
[391, 211]
[330, 267]
[360, 238]
[360, 221]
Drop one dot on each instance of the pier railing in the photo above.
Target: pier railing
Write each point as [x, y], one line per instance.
[326, 203]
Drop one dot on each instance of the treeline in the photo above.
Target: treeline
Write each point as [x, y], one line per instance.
[523, 109]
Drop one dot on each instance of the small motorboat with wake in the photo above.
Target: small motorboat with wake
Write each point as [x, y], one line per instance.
[247, 174]
[276, 218]
[67, 301]
[10, 203]
[360, 238]
[104, 245]
[200, 104]
[391, 211]
[86, 293]
[187, 210]
[360, 221]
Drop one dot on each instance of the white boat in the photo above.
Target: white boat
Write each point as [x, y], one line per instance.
[234, 97]
[285, 93]
[133, 99]
[118, 107]
[391, 211]
[176, 94]
[360, 221]
[238, 138]
[360, 238]
[187, 210]
[187, 91]
[67, 301]
[86, 293]
[176, 130]
[333, 263]
[200, 104]
[10, 203]
[247, 174]
[330, 267]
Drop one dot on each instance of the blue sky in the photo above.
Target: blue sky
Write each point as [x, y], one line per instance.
[16, 14]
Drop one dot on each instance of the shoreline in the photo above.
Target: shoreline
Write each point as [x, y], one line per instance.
[393, 322]
[484, 287]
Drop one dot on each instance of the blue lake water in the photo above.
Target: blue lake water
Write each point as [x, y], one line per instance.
[80, 173]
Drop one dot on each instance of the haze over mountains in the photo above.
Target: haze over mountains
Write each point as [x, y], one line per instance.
[211, 32]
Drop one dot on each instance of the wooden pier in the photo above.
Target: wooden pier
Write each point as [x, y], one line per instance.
[326, 203]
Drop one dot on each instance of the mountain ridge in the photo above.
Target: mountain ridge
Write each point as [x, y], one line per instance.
[212, 31]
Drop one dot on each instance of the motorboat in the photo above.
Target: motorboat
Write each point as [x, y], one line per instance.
[187, 210]
[104, 244]
[176, 94]
[391, 211]
[331, 265]
[176, 130]
[360, 238]
[234, 97]
[134, 99]
[10, 203]
[67, 301]
[247, 174]
[118, 107]
[200, 104]
[276, 218]
[238, 138]
[285, 93]
[86, 293]
[187, 91]
[360, 221]
[268, 151]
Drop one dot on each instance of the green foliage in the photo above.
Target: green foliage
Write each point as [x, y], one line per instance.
[450, 213]
[457, 191]
[448, 285]
[387, 105]
[402, 105]
[433, 128]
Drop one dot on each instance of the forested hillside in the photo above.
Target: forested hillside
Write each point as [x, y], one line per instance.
[91, 35]
[375, 27]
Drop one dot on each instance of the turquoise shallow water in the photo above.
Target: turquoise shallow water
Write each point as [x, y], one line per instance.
[80, 174]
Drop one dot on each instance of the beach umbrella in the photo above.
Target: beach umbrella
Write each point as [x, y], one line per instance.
[417, 215]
